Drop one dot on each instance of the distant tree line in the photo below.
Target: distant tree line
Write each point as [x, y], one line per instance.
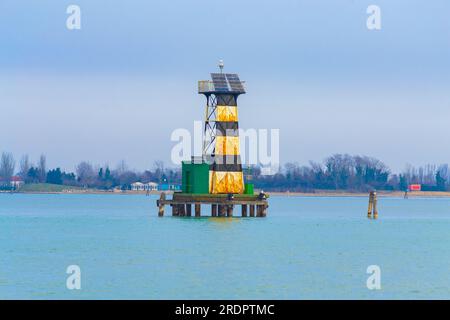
[352, 173]
[337, 172]
[86, 175]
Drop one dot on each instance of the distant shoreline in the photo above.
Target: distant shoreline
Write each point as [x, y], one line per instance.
[384, 194]
[318, 193]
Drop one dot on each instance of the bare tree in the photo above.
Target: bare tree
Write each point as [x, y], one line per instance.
[122, 167]
[444, 171]
[159, 165]
[42, 168]
[7, 166]
[159, 169]
[85, 173]
[24, 166]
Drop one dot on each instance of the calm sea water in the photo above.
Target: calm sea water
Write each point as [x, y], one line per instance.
[306, 248]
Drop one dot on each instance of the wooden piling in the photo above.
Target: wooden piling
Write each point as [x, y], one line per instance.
[214, 210]
[161, 211]
[252, 210]
[182, 210]
[375, 210]
[222, 209]
[197, 210]
[263, 210]
[372, 211]
[174, 210]
[230, 210]
[188, 210]
[162, 198]
[244, 210]
[369, 209]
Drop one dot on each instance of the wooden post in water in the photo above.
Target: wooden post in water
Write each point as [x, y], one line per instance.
[372, 211]
[375, 210]
[252, 210]
[229, 210]
[188, 209]
[214, 210]
[244, 210]
[369, 209]
[263, 210]
[161, 211]
[174, 210]
[162, 197]
[182, 210]
[197, 210]
[221, 209]
[218, 210]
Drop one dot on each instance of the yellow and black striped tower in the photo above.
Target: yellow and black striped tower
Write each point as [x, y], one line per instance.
[221, 135]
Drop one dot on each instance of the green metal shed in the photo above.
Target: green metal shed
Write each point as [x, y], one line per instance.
[195, 177]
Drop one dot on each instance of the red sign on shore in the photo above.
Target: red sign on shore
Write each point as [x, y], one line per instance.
[415, 187]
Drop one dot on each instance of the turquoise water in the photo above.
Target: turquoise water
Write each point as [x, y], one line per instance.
[307, 248]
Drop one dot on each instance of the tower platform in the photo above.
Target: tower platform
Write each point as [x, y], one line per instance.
[222, 205]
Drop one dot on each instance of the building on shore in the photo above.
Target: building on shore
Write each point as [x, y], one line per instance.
[15, 182]
[139, 186]
[169, 187]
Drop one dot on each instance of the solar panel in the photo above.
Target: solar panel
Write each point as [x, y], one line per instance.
[220, 82]
[235, 82]
[227, 82]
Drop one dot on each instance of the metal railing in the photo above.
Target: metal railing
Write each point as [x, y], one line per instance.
[205, 86]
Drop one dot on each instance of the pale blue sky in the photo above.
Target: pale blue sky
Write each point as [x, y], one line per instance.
[118, 87]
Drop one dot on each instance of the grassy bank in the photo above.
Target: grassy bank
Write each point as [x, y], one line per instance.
[47, 187]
